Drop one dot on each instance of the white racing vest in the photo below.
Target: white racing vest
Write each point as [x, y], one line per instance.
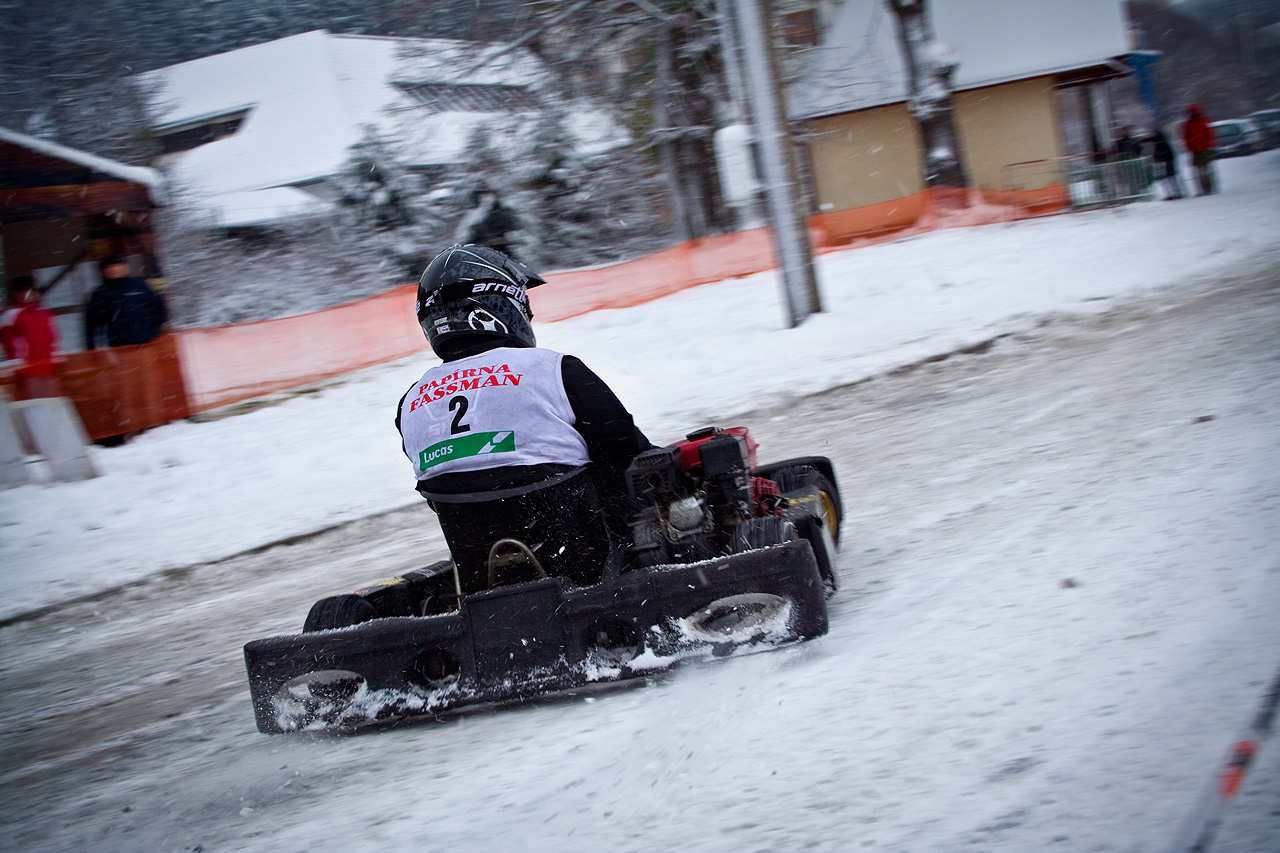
[503, 407]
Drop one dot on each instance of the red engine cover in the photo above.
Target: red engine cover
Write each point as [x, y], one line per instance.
[689, 457]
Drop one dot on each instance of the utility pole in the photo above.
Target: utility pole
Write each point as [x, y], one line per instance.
[778, 162]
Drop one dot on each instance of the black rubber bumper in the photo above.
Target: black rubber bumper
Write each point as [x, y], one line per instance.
[525, 640]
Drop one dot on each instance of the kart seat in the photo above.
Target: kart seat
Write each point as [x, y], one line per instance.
[560, 521]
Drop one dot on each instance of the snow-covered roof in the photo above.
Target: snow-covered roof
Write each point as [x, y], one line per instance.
[133, 174]
[859, 63]
[309, 97]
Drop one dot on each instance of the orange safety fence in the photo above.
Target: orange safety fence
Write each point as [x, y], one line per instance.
[929, 210]
[211, 367]
[1050, 198]
[118, 390]
[227, 364]
[573, 292]
[840, 228]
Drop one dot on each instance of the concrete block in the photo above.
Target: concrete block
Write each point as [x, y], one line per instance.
[13, 467]
[57, 433]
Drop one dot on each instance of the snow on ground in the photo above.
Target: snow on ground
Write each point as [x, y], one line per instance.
[193, 492]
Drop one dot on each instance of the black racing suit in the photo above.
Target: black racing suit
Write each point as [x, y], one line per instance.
[568, 524]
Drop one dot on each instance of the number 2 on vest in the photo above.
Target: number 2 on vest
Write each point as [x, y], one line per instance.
[458, 405]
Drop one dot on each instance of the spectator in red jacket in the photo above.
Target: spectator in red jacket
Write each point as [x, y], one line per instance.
[1199, 138]
[30, 340]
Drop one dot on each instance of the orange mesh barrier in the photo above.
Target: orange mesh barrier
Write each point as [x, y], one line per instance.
[1050, 198]
[731, 255]
[842, 227]
[124, 389]
[226, 364]
[927, 210]
[574, 292]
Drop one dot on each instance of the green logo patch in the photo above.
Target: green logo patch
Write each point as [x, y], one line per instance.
[475, 444]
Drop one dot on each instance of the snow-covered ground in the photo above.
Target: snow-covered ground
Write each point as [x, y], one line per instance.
[194, 492]
[1061, 572]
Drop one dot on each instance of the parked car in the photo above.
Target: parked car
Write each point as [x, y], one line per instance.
[1269, 121]
[1237, 137]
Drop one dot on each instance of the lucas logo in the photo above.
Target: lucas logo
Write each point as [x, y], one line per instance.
[464, 446]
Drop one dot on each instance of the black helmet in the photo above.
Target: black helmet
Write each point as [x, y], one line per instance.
[469, 292]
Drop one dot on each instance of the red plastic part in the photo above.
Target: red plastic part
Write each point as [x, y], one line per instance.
[690, 459]
[762, 488]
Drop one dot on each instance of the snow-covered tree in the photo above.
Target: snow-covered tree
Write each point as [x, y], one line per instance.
[671, 92]
[476, 199]
[589, 206]
[543, 198]
[384, 203]
[930, 65]
[216, 275]
[63, 78]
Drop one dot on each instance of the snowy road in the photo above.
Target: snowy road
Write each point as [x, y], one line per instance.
[1029, 651]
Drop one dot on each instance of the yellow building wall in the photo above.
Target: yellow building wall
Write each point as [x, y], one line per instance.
[865, 157]
[1010, 123]
[875, 155]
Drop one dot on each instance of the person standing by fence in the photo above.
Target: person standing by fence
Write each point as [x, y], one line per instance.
[1133, 178]
[30, 340]
[1166, 164]
[128, 313]
[1199, 138]
[123, 308]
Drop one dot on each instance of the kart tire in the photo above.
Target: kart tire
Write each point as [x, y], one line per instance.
[762, 532]
[338, 611]
[802, 476]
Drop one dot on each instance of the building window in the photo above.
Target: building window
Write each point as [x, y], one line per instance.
[800, 29]
[184, 137]
[471, 98]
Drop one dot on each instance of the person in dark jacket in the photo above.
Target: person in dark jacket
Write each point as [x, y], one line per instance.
[1166, 164]
[123, 309]
[1128, 154]
[1127, 147]
[508, 439]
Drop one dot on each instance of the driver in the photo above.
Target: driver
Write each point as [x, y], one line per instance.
[507, 439]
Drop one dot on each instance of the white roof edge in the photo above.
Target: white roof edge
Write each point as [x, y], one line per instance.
[411, 41]
[134, 174]
[1115, 61]
[208, 116]
[366, 36]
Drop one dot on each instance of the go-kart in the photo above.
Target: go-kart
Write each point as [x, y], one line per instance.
[724, 556]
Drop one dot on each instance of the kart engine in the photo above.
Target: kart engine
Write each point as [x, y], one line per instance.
[694, 495]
